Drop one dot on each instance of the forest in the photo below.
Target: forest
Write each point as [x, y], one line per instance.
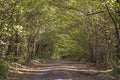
[77, 30]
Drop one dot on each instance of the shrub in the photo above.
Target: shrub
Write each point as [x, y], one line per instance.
[114, 73]
[3, 69]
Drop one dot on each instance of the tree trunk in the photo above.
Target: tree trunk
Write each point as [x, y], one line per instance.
[16, 47]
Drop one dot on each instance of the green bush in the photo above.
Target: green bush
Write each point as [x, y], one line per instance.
[114, 73]
[10, 58]
[3, 69]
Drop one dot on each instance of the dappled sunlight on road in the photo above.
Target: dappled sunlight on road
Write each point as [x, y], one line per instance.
[56, 70]
[55, 65]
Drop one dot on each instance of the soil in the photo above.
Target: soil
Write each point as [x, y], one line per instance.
[54, 70]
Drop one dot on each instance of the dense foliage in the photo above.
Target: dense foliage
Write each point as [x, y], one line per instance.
[81, 30]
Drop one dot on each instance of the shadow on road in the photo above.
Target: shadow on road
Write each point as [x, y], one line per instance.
[56, 70]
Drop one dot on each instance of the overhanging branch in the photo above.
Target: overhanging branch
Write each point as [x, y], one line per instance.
[68, 7]
[76, 9]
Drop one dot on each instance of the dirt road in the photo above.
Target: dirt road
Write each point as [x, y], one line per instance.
[59, 70]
